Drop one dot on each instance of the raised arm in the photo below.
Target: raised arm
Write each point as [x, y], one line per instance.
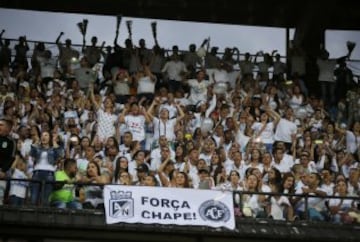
[211, 107]
[123, 114]
[1, 34]
[101, 48]
[164, 180]
[150, 111]
[57, 41]
[144, 112]
[181, 112]
[273, 114]
[92, 97]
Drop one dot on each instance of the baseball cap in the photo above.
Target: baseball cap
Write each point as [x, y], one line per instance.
[142, 168]
[203, 170]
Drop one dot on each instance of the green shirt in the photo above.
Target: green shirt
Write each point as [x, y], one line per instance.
[64, 194]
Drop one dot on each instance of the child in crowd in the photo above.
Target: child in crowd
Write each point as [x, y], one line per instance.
[18, 188]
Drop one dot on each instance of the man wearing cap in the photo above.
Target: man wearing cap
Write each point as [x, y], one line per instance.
[141, 171]
[7, 153]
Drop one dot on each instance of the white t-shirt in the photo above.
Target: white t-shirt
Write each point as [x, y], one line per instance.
[352, 141]
[121, 87]
[267, 135]
[277, 207]
[313, 202]
[174, 69]
[284, 130]
[82, 164]
[220, 75]
[164, 128]
[295, 101]
[145, 85]
[136, 125]
[47, 66]
[18, 188]
[345, 204]
[198, 90]
[155, 156]
[283, 166]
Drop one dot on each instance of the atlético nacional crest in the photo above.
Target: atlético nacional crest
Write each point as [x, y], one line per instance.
[121, 204]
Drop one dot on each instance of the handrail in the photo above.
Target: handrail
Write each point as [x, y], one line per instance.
[235, 193]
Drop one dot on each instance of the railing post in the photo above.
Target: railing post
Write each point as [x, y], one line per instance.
[306, 215]
[42, 192]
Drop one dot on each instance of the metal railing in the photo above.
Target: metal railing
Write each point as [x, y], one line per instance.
[238, 197]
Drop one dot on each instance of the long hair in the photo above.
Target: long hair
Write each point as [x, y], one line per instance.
[285, 177]
[118, 169]
[97, 167]
[278, 179]
[50, 138]
[186, 182]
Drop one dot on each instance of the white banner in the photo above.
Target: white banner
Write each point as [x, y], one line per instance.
[160, 205]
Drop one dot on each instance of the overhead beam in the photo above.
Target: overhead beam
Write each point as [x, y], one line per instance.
[275, 13]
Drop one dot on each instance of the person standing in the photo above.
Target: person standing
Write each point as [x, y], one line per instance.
[286, 128]
[175, 71]
[18, 188]
[135, 119]
[5, 51]
[44, 155]
[106, 117]
[66, 53]
[7, 154]
[93, 52]
[163, 124]
[326, 77]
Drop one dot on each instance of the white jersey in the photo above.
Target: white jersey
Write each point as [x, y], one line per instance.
[106, 124]
[136, 125]
[164, 128]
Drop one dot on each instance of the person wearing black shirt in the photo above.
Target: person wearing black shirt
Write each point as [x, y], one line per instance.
[7, 154]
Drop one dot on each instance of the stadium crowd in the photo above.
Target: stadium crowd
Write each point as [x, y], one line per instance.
[181, 119]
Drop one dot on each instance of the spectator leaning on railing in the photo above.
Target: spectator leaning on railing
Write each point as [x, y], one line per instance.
[62, 196]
